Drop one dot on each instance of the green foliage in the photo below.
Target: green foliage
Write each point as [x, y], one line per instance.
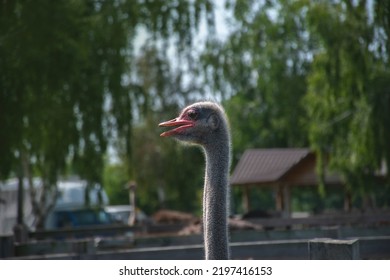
[79, 76]
[261, 69]
[347, 95]
[66, 79]
[114, 181]
[298, 73]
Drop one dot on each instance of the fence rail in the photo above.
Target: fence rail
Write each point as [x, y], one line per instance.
[361, 219]
[288, 240]
[370, 248]
[354, 219]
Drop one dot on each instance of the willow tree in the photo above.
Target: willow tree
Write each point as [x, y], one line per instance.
[66, 81]
[261, 70]
[348, 97]
[298, 73]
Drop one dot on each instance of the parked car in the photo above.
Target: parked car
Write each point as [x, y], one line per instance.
[90, 222]
[79, 217]
[121, 213]
[71, 196]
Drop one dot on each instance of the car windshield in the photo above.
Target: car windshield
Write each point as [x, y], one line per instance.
[84, 217]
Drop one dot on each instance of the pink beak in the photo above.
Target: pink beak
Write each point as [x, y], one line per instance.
[181, 125]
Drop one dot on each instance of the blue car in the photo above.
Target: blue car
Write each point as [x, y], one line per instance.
[74, 218]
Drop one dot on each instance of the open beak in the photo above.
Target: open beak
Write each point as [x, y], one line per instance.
[179, 124]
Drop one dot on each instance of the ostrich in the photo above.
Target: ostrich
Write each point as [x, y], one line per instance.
[205, 124]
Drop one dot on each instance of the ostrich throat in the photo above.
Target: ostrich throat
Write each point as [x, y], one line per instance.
[215, 198]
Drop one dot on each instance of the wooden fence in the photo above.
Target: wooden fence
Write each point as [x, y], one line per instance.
[369, 248]
[357, 219]
[374, 243]
[289, 239]
[348, 219]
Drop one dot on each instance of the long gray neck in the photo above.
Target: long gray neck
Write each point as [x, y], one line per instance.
[215, 199]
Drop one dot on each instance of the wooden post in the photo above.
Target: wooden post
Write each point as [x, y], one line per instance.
[347, 201]
[333, 249]
[246, 204]
[279, 198]
[7, 248]
[283, 200]
[83, 247]
[286, 201]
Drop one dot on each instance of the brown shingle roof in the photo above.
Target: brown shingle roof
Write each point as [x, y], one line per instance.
[258, 166]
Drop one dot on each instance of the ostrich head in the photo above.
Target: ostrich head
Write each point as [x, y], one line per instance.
[199, 123]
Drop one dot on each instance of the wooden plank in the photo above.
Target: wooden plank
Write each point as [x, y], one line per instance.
[375, 247]
[270, 250]
[361, 219]
[371, 248]
[79, 247]
[7, 248]
[274, 250]
[83, 232]
[333, 249]
[197, 239]
[327, 220]
[103, 230]
[261, 235]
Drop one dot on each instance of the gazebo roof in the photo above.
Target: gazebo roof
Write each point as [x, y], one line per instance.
[292, 166]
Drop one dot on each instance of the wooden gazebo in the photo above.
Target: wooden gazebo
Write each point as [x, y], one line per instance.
[281, 169]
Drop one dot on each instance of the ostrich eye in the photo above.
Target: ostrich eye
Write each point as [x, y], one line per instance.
[192, 114]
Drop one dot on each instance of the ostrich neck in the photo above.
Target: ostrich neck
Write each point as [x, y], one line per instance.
[215, 199]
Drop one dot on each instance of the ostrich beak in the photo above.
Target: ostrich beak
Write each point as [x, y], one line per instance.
[180, 126]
